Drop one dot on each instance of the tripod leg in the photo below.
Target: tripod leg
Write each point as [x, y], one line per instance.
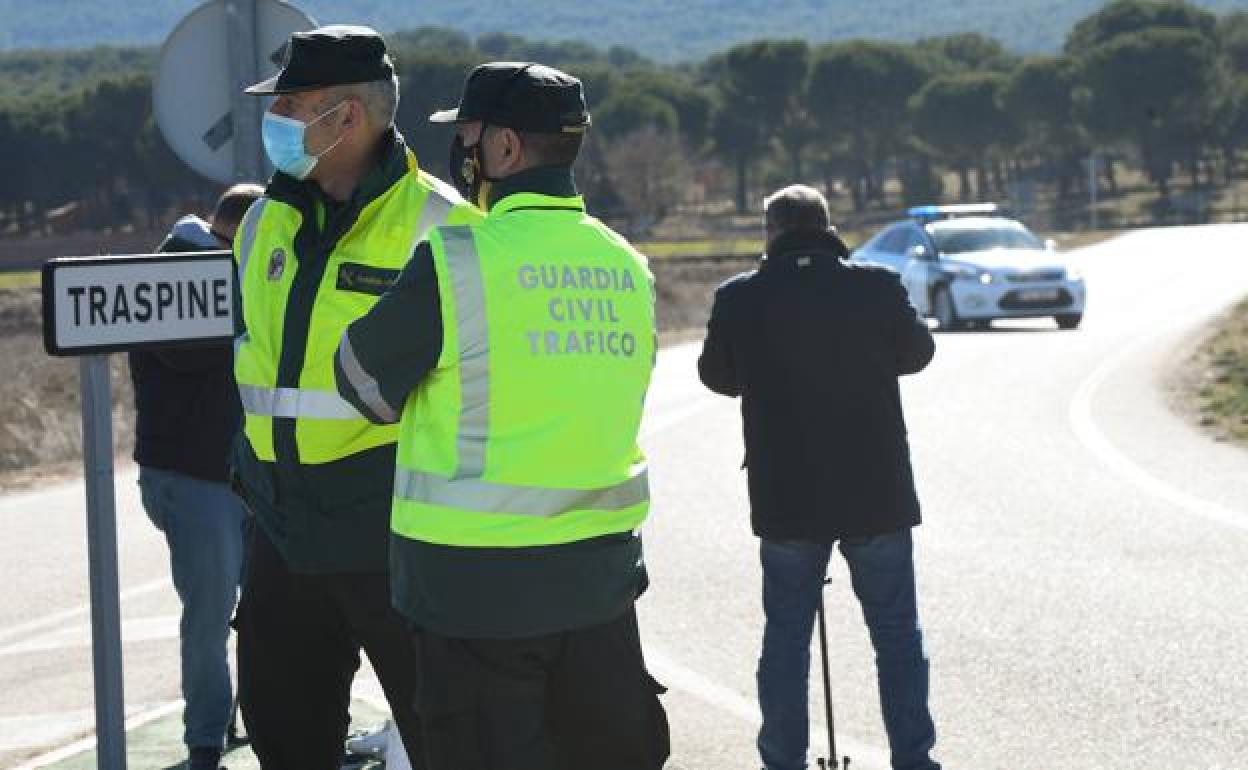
[827, 682]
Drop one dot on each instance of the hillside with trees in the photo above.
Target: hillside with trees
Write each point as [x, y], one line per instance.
[661, 30]
[1157, 90]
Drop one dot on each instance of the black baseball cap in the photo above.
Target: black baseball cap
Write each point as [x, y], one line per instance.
[521, 95]
[329, 56]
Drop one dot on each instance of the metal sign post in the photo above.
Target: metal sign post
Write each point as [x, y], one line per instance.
[97, 465]
[240, 24]
[93, 306]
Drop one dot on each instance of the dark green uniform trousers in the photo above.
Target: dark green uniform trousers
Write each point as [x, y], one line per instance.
[299, 642]
[575, 700]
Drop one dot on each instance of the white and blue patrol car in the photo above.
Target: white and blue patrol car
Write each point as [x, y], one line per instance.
[967, 265]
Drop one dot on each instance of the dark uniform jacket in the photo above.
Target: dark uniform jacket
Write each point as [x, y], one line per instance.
[814, 346]
[185, 398]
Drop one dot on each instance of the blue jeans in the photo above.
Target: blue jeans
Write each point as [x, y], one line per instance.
[203, 524]
[881, 569]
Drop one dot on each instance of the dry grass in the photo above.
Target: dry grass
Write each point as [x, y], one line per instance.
[19, 280]
[1214, 380]
[685, 293]
[40, 421]
[660, 250]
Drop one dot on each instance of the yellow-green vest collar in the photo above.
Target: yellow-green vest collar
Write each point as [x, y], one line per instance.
[528, 200]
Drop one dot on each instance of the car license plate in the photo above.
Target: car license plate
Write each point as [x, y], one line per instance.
[1038, 295]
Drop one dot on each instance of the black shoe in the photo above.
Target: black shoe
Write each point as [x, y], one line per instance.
[204, 759]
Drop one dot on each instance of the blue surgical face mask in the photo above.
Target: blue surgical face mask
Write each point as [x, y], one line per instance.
[283, 143]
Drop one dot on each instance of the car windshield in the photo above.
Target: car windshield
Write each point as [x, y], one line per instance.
[960, 238]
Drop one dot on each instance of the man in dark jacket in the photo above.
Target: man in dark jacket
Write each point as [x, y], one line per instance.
[187, 414]
[814, 347]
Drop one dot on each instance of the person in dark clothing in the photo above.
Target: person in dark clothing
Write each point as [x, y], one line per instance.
[814, 347]
[187, 414]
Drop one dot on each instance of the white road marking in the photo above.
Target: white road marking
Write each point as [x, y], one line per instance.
[141, 717]
[1085, 428]
[679, 677]
[58, 618]
[30, 731]
[133, 630]
[24, 732]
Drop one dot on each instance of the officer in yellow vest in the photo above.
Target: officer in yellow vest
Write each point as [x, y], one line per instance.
[337, 223]
[518, 352]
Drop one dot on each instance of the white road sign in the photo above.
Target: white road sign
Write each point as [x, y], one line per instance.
[199, 80]
[105, 304]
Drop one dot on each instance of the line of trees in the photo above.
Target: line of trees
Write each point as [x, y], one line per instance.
[1159, 86]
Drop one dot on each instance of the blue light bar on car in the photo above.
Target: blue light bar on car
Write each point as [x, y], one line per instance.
[929, 213]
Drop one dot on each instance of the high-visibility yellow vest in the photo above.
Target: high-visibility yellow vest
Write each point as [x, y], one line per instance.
[363, 263]
[525, 433]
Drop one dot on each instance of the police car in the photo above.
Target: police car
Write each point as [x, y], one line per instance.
[967, 265]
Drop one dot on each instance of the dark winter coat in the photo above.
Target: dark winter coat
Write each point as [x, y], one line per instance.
[185, 398]
[814, 347]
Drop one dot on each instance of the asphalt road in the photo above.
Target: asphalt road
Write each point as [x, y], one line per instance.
[1081, 562]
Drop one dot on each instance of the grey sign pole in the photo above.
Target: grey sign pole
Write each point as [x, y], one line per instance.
[241, 37]
[97, 436]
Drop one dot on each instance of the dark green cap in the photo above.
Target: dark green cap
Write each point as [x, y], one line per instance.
[523, 96]
[329, 56]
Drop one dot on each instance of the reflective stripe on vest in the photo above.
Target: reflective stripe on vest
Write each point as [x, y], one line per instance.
[474, 351]
[247, 233]
[491, 497]
[433, 214]
[366, 386]
[466, 490]
[293, 402]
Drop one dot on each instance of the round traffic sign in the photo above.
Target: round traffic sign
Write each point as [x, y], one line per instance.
[195, 86]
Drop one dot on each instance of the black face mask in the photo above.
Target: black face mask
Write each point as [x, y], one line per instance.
[467, 172]
[465, 168]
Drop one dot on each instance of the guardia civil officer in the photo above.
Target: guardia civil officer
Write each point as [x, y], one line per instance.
[518, 352]
[338, 220]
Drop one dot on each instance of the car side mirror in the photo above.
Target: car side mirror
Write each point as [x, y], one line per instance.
[917, 251]
[1050, 244]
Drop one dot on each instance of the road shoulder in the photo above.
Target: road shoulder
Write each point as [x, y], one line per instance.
[1208, 379]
